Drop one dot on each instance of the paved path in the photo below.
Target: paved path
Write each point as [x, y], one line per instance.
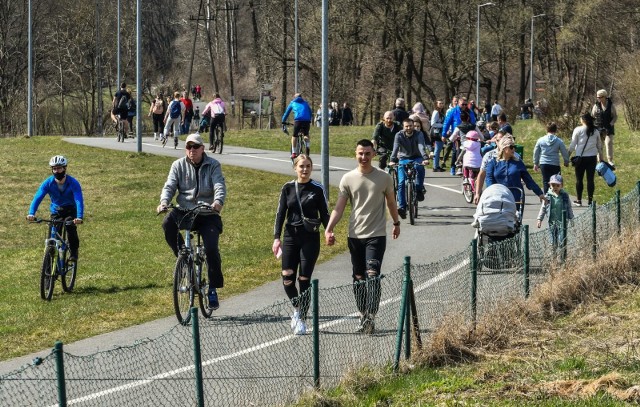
[442, 228]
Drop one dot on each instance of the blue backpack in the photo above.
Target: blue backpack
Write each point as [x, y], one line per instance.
[175, 110]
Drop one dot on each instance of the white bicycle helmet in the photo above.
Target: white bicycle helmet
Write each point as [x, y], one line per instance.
[58, 161]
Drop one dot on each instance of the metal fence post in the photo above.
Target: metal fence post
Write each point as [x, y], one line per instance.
[62, 387]
[197, 358]
[407, 317]
[526, 261]
[474, 280]
[316, 332]
[594, 232]
[403, 313]
[618, 213]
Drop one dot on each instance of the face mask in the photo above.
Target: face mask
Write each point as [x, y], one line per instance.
[59, 175]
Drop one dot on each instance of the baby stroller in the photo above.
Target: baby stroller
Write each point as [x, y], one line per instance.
[497, 221]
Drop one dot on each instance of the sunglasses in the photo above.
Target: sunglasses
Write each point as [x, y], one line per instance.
[512, 147]
[190, 146]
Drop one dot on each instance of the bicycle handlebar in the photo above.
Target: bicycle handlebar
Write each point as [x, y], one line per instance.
[200, 207]
[41, 220]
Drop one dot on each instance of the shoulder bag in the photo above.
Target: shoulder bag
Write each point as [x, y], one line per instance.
[577, 159]
[311, 225]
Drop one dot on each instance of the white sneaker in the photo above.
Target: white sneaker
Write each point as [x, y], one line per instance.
[155, 136]
[301, 328]
[295, 318]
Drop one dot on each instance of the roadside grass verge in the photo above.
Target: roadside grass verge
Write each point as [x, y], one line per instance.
[573, 343]
[125, 266]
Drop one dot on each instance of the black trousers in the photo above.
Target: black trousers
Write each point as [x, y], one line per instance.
[68, 213]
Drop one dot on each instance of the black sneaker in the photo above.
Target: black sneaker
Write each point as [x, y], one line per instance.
[402, 212]
[420, 195]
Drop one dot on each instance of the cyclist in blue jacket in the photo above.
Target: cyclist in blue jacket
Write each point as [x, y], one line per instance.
[67, 202]
[301, 120]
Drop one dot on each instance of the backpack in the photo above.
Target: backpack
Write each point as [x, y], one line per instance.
[131, 106]
[175, 110]
[123, 103]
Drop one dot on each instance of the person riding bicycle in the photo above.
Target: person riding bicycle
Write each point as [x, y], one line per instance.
[301, 120]
[67, 203]
[383, 136]
[409, 146]
[217, 111]
[120, 107]
[196, 178]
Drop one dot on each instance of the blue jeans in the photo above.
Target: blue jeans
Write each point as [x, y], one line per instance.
[436, 153]
[402, 175]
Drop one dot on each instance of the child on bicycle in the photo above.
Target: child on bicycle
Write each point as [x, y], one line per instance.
[471, 157]
[67, 203]
[558, 201]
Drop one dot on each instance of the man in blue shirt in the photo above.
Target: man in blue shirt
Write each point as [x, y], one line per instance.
[67, 202]
[301, 120]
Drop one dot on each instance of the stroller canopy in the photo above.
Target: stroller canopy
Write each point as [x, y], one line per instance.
[496, 213]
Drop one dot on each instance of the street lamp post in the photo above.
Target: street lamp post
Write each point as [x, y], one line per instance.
[531, 55]
[478, 53]
[297, 49]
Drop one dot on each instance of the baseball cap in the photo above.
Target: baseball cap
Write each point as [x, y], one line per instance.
[556, 179]
[195, 139]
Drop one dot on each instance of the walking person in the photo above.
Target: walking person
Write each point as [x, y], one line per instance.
[604, 118]
[196, 178]
[558, 201]
[437, 120]
[546, 155]
[369, 190]
[67, 202]
[586, 143]
[188, 113]
[299, 199]
[156, 110]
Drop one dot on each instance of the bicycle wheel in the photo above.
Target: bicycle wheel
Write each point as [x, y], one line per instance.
[410, 200]
[467, 190]
[47, 276]
[182, 289]
[304, 147]
[221, 138]
[68, 276]
[394, 175]
[121, 135]
[414, 207]
[203, 298]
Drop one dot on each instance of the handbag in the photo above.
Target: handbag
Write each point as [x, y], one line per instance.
[311, 225]
[577, 159]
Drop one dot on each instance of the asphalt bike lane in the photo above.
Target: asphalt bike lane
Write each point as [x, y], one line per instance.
[442, 228]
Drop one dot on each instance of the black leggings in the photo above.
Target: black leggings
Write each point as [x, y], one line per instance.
[547, 171]
[588, 165]
[158, 126]
[300, 251]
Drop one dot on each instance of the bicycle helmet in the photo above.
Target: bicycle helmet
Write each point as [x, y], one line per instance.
[58, 161]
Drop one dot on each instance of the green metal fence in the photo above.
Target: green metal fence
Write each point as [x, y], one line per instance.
[254, 359]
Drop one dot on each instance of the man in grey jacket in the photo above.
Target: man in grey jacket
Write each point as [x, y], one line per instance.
[196, 178]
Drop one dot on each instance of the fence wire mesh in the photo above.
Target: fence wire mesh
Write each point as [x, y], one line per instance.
[254, 359]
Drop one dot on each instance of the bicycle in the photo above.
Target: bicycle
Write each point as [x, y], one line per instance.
[411, 195]
[301, 146]
[469, 183]
[189, 276]
[121, 131]
[55, 262]
[218, 138]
